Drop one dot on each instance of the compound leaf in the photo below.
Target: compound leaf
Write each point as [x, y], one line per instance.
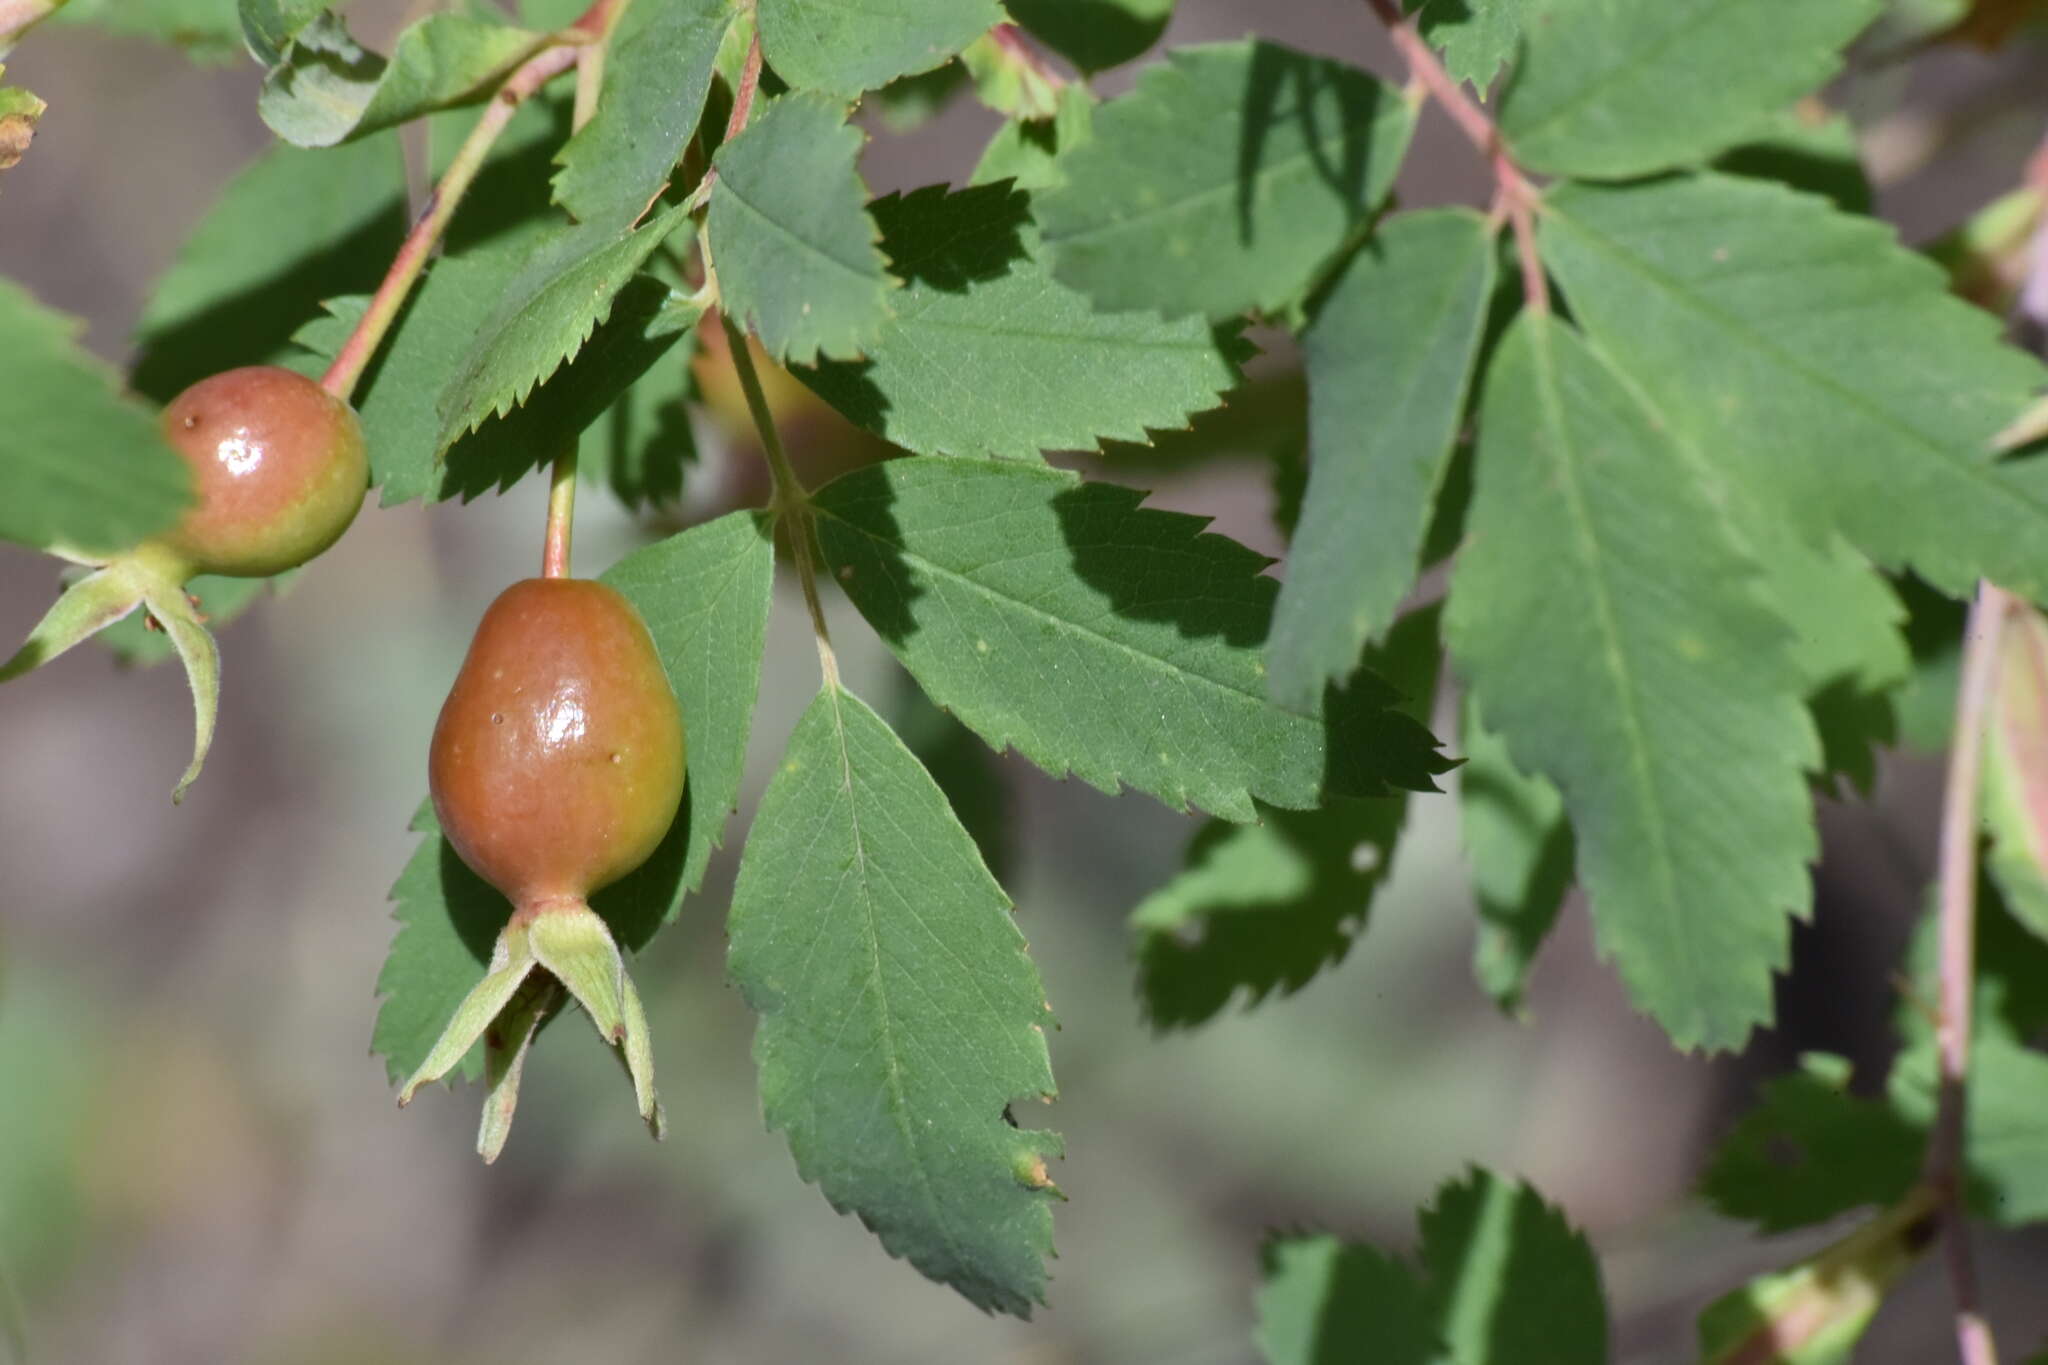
[1389, 356]
[791, 237]
[328, 88]
[1616, 88]
[899, 1013]
[656, 75]
[1612, 631]
[1224, 181]
[1825, 367]
[844, 49]
[1116, 642]
[83, 465]
[987, 356]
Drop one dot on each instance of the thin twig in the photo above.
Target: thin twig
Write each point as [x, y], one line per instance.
[1516, 197]
[599, 21]
[742, 110]
[1958, 939]
[406, 267]
[790, 503]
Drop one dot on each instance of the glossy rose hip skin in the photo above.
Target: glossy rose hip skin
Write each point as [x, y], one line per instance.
[279, 469]
[557, 763]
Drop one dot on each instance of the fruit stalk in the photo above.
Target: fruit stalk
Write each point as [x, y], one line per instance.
[1957, 933]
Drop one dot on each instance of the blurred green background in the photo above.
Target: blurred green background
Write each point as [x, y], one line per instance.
[201, 1162]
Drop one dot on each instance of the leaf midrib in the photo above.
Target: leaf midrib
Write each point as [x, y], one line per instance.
[1609, 627]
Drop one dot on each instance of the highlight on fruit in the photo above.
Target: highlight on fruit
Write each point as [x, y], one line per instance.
[557, 767]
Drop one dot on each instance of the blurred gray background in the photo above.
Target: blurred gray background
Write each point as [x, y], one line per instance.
[200, 1161]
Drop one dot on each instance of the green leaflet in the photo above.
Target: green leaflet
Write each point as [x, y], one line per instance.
[292, 229]
[329, 89]
[206, 30]
[656, 75]
[1476, 37]
[565, 289]
[1810, 1151]
[1616, 88]
[987, 356]
[1818, 363]
[1101, 638]
[790, 234]
[1094, 34]
[844, 49]
[1324, 1300]
[1518, 845]
[82, 465]
[1266, 906]
[900, 1015]
[1224, 181]
[1389, 356]
[1510, 1282]
[1612, 632]
[1506, 1281]
[705, 595]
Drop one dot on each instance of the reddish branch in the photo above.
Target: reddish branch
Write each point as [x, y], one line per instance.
[593, 26]
[1958, 951]
[418, 247]
[1515, 198]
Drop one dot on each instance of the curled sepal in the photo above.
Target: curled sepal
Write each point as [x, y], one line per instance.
[174, 611]
[1814, 1313]
[511, 963]
[506, 1044]
[84, 609]
[573, 944]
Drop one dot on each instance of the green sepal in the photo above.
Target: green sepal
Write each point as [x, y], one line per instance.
[506, 1044]
[85, 608]
[180, 619]
[576, 946]
[511, 961]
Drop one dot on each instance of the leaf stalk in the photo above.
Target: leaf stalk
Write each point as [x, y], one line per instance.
[1957, 929]
[1515, 198]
